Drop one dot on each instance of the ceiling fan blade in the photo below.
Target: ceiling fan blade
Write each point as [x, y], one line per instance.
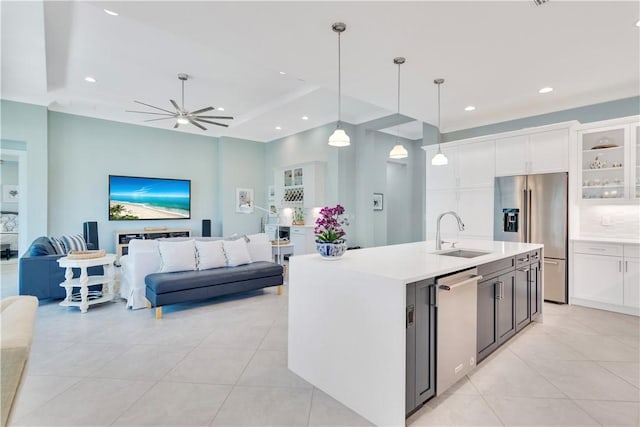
[149, 112]
[196, 124]
[202, 110]
[216, 117]
[161, 118]
[176, 125]
[209, 121]
[175, 104]
[157, 108]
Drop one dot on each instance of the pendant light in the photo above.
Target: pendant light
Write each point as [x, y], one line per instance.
[439, 159]
[398, 151]
[339, 138]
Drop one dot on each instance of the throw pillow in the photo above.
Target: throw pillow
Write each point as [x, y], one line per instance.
[41, 246]
[259, 247]
[58, 245]
[73, 242]
[210, 254]
[236, 252]
[177, 256]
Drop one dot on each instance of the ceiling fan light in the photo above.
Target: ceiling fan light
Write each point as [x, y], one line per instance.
[439, 159]
[339, 138]
[398, 152]
[183, 120]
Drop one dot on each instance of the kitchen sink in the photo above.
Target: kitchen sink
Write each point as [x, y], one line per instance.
[463, 253]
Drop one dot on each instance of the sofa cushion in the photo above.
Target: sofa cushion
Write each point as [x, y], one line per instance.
[210, 254]
[42, 246]
[177, 256]
[259, 247]
[57, 245]
[236, 252]
[161, 283]
[73, 242]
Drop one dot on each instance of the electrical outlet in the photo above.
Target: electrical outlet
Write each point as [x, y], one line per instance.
[606, 220]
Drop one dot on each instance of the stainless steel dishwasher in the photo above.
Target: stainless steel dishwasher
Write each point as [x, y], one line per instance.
[456, 327]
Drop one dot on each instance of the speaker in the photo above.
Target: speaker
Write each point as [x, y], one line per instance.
[206, 228]
[90, 231]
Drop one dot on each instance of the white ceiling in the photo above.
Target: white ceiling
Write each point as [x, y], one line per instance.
[494, 55]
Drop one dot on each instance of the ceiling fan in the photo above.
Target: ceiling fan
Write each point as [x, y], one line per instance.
[181, 115]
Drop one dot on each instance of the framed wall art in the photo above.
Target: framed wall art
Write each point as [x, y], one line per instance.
[244, 200]
[378, 200]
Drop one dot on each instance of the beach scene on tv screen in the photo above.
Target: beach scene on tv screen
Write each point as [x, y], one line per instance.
[148, 198]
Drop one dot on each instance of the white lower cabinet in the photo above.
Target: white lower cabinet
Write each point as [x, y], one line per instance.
[303, 240]
[598, 278]
[631, 278]
[607, 276]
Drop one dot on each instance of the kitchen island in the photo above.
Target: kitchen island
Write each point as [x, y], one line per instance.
[347, 319]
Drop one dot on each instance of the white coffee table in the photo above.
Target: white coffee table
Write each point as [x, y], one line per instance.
[84, 299]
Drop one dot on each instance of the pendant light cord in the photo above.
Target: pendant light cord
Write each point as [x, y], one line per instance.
[439, 115]
[182, 95]
[398, 125]
[339, 83]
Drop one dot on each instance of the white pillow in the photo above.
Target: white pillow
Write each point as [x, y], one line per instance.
[177, 256]
[236, 252]
[259, 247]
[210, 254]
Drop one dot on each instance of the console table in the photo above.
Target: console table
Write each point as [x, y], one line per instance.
[123, 237]
[85, 298]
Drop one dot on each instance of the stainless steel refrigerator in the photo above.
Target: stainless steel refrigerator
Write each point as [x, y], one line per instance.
[533, 209]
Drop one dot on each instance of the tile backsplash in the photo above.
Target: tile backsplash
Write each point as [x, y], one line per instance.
[610, 221]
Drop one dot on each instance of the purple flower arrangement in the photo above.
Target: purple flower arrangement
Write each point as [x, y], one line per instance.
[329, 225]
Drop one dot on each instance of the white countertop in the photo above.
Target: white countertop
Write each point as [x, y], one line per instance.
[411, 262]
[606, 239]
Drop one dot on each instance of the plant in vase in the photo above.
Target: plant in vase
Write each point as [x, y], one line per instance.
[298, 216]
[330, 241]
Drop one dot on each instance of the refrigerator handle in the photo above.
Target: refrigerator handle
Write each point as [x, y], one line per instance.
[529, 217]
[525, 215]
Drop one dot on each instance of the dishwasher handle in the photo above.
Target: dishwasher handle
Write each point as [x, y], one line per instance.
[472, 278]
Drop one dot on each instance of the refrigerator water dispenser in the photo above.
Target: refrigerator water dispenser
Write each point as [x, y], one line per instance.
[510, 219]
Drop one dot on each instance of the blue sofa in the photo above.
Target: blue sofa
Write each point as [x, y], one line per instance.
[40, 275]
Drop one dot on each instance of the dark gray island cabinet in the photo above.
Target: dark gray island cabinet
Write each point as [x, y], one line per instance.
[509, 298]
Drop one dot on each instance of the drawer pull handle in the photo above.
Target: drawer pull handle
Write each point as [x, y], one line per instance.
[551, 262]
[597, 249]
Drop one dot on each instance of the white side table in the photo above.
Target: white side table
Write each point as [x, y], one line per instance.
[84, 281]
[279, 251]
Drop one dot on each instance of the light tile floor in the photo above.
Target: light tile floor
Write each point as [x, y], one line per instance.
[223, 363]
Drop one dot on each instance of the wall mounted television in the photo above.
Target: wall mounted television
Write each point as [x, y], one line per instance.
[137, 198]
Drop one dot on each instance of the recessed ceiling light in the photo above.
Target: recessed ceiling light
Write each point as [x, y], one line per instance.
[305, 118]
[469, 108]
[638, 23]
[278, 128]
[283, 73]
[90, 79]
[220, 108]
[110, 12]
[546, 90]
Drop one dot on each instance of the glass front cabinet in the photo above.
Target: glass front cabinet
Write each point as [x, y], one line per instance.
[609, 165]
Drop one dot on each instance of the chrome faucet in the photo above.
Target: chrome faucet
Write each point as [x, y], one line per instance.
[460, 227]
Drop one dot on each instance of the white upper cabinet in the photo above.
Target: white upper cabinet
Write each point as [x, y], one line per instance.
[634, 171]
[470, 165]
[549, 151]
[512, 155]
[476, 164]
[608, 162]
[300, 185]
[539, 152]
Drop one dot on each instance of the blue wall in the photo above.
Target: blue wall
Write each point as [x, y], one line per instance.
[590, 113]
